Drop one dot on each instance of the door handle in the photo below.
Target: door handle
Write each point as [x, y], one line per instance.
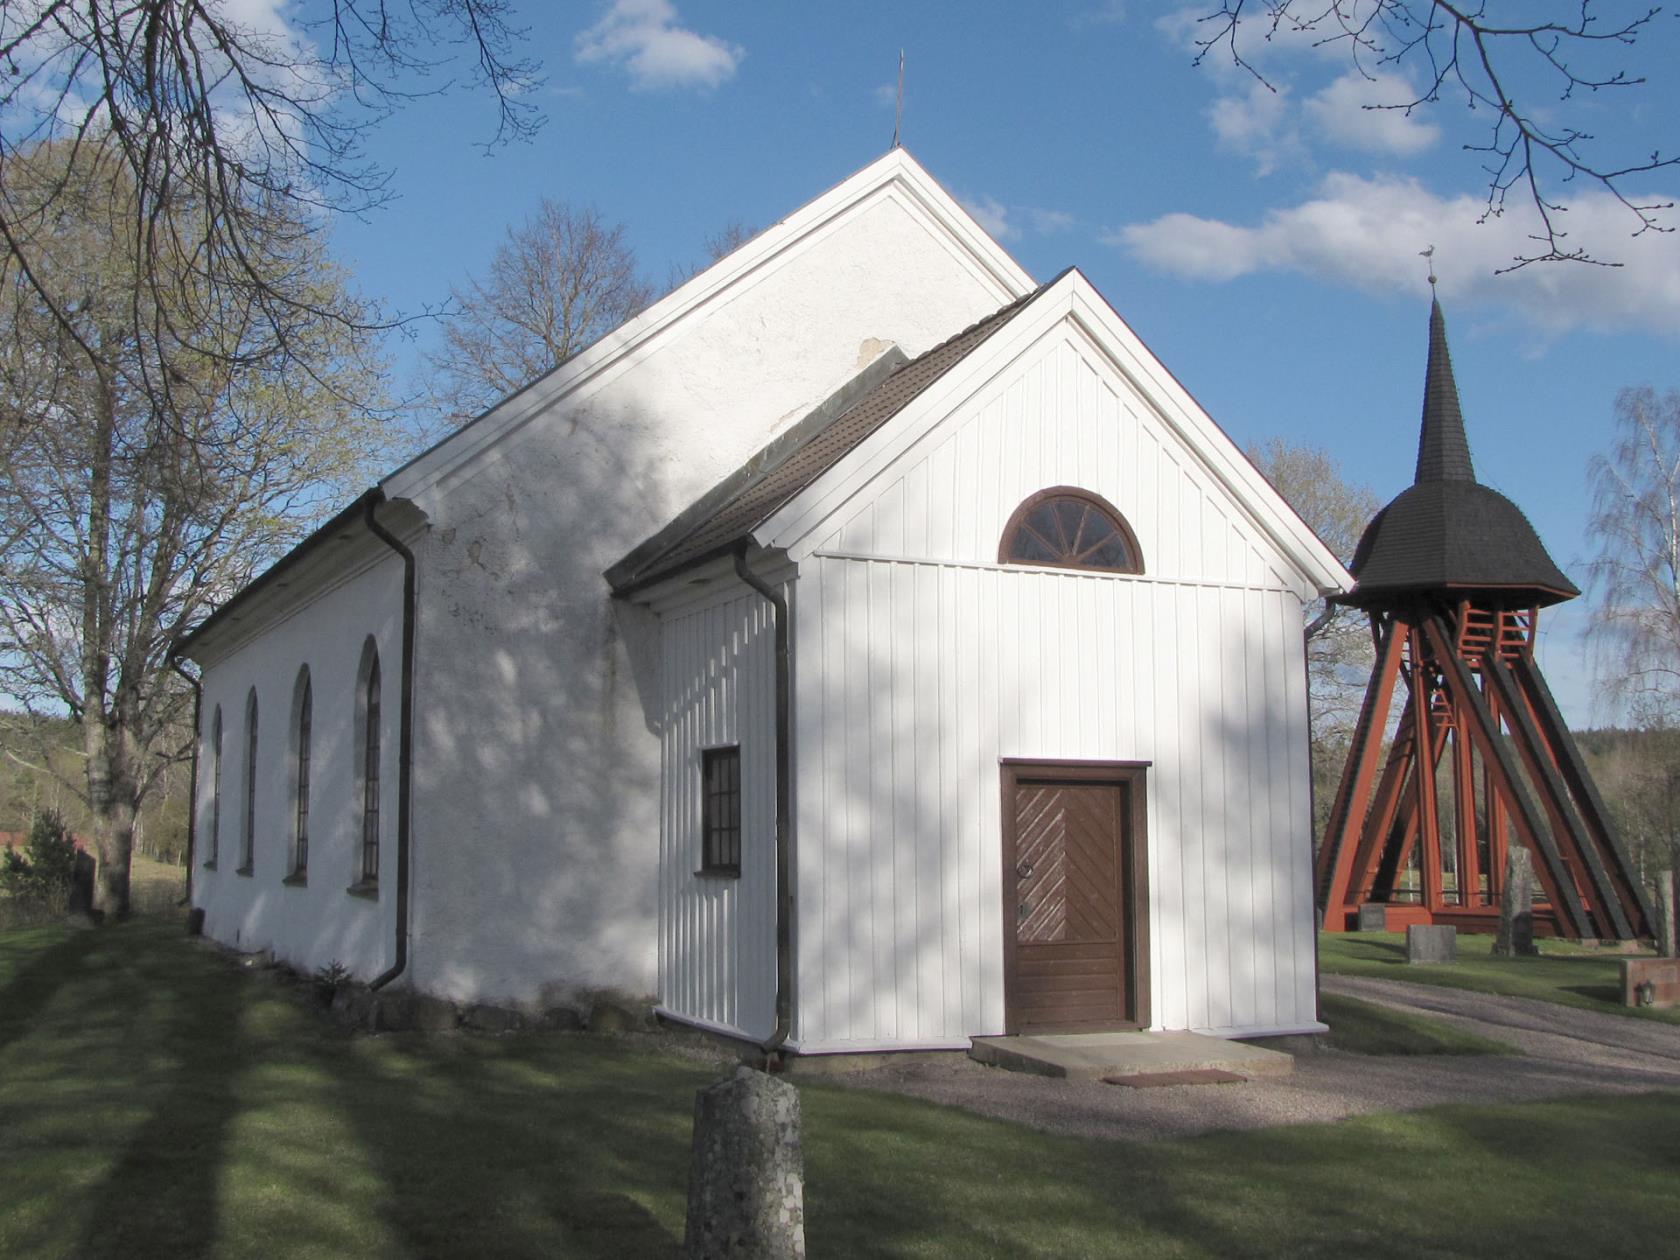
[1024, 870]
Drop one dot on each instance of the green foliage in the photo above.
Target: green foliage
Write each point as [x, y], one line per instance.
[41, 875]
[328, 979]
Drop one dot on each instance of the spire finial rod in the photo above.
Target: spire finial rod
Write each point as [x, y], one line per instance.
[1429, 254]
[898, 113]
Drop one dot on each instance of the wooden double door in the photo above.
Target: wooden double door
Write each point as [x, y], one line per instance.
[1075, 896]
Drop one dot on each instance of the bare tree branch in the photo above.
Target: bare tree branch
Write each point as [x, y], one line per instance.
[1514, 68]
[559, 281]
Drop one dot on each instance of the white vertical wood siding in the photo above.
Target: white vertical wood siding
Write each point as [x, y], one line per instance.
[922, 662]
[717, 936]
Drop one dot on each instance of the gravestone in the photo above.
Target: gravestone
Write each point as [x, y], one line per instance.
[1373, 917]
[1428, 943]
[746, 1180]
[1516, 905]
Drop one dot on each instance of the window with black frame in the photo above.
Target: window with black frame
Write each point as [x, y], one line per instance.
[720, 811]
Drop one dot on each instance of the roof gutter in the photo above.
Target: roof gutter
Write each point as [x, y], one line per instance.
[784, 814]
[405, 733]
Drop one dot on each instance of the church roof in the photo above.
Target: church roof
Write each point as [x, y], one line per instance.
[1448, 531]
[725, 516]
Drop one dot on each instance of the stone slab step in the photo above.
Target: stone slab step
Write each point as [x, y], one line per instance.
[1093, 1056]
[1156, 1080]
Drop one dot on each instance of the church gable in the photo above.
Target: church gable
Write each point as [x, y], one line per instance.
[1043, 405]
[710, 372]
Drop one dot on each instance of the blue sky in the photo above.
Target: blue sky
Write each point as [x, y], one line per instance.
[1264, 244]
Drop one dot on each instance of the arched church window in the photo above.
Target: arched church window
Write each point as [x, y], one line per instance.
[1068, 528]
[248, 837]
[303, 729]
[368, 862]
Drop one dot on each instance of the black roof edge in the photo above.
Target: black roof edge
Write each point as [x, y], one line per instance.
[372, 497]
[622, 575]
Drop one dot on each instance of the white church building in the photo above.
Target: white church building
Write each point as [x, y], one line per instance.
[864, 648]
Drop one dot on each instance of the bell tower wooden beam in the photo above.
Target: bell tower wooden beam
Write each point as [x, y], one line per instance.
[1554, 875]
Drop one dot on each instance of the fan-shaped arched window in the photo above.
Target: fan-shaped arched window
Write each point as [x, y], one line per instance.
[1068, 528]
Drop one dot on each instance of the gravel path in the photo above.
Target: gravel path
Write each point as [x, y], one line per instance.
[1562, 1051]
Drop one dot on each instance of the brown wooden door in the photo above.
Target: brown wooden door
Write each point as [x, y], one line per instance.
[1074, 944]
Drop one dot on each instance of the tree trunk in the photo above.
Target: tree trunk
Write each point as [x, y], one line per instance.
[113, 804]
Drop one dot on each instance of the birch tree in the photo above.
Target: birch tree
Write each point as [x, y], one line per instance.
[127, 510]
[1635, 575]
[558, 281]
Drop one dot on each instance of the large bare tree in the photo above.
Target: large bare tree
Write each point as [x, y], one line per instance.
[558, 281]
[1525, 66]
[253, 117]
[1635, 576]
[127, 510]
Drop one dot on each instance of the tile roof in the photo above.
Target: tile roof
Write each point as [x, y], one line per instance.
[727, 514]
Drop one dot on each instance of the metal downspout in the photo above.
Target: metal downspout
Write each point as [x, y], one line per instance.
[784, 820]
[192, 789]
[405, 739]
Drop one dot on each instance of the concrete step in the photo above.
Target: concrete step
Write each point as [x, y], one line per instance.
[1092, 1056]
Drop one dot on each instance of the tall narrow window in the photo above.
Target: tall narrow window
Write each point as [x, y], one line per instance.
[1068, 528]
[720, 811]
[215, 787]
[370, 775]
[303, 728]
[248, 840]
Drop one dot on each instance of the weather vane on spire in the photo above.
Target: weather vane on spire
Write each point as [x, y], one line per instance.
[1430, 255]
[898, 113]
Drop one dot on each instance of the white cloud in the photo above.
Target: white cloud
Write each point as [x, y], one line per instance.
[1046, 222]
[1258, 123]
[644, 37]
[886, 95]
[991, 214]
[1367, 233]
[1358, 111]
[1106, 13]
[1005, 222]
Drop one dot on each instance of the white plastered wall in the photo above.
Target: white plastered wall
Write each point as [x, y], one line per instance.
[537, 742]
[922, 662]
[316, 923]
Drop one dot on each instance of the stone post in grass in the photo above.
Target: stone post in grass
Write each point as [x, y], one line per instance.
[1516, 905]
[1666, 910]
[746, 1181]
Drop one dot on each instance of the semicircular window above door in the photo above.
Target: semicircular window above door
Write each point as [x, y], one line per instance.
[1068, 528]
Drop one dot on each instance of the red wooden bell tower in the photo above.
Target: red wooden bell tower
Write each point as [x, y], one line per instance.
[1453, 578]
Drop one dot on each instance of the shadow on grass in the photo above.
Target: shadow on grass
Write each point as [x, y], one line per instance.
[1609, 994]
[166, 1178]
[561, 1142]
[34, 983]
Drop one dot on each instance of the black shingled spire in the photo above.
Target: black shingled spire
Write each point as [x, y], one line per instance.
[1443, 451]
[1447, 533]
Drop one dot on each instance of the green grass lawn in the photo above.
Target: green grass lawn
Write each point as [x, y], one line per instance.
[156, 1101]
[1563, 972]
[1367, 1028]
